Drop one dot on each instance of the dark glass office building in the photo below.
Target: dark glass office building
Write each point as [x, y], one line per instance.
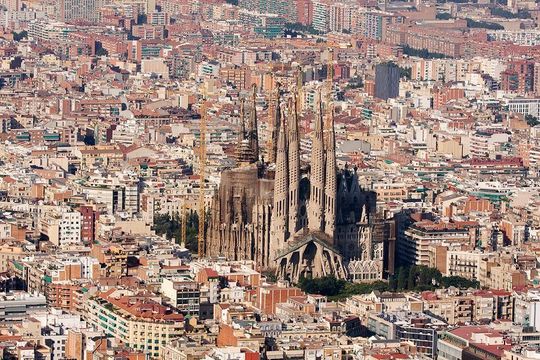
[387, 81]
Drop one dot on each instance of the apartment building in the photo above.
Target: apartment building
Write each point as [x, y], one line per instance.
[464, 263]
[418, 328]
[453, 309]
[414, 244]
[87, 10]
[17, 306]
[62, 227]
[139, 322]
[506, 277]
[183, 294]
[460, 342]
[321, 16]
[527, 308]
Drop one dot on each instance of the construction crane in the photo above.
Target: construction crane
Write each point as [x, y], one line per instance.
[202, 176]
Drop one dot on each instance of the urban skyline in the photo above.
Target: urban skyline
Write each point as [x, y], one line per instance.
[269, 179]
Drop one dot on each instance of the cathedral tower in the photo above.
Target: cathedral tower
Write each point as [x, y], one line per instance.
[331, 175]
[252, 135]
[317, 178]
[294, 166]
[275, 112]
[280, 212]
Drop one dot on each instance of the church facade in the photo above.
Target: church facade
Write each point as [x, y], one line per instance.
[301, 221]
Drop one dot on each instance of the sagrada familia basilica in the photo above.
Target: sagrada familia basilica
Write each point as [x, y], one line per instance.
[301, 220]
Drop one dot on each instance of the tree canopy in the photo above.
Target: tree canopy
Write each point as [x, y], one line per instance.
[483, 25]
[18, 36]
[443, 16]
[531, 120]
[171, 227]
[413, 278]
[423, 53]
[500, 12]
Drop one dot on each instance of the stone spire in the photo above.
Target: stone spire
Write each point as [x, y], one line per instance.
[280, 212]
[294, 166]
[331, 174]
[243, 148]
[253, 135]
[276, 119]
[317, 178]
[364, 215]
[242, 134]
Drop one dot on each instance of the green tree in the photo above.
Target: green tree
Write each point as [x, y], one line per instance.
[402, 278]
[171, 227]
[459, 282]
[192, 232]
[531, 120]
[500, 12]
[411, 278]
[301, 28]
[392, 283]
[142, 19]
[327, 285]
[405, 72]
[423, 53]
[18, 36]
[102, 52]
[355, 83]
[423, 277]
[443, 16]
[483, 25]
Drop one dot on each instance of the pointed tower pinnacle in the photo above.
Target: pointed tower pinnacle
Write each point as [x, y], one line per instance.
[242, 134]
[280, 212]
[276, 116]
[330, 182]
[317, 178]
[243, 150]
[294, 165]
[331, 175]
[253, 135]
[364, 215]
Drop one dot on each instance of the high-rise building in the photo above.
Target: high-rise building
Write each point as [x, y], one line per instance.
[304, 12]
[141, 6]
[89, 218]
[386, 81]
[84, 10]
[321, 14]
[340, 17]
[282, 8]
[519, 77]
[11, 5]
